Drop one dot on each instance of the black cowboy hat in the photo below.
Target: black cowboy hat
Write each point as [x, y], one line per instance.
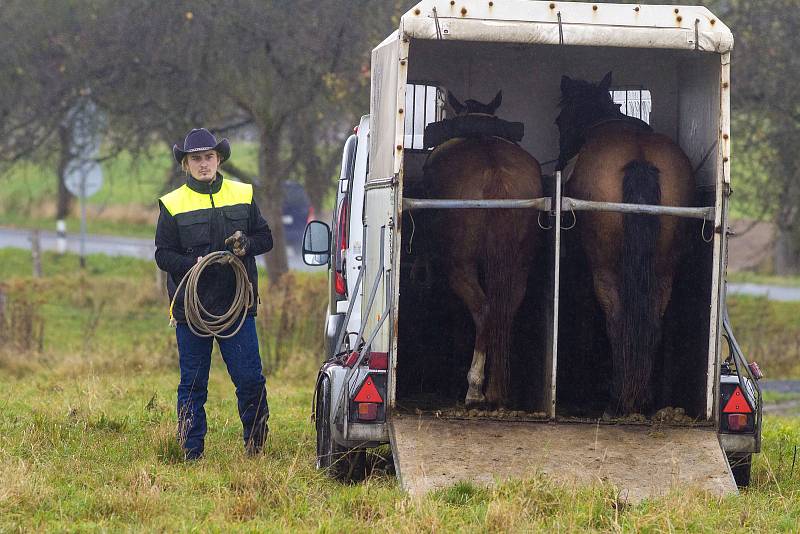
[200, 139]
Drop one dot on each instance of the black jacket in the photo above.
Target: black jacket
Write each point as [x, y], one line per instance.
[195, 220]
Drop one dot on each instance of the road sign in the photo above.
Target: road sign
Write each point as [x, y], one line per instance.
[83, 174]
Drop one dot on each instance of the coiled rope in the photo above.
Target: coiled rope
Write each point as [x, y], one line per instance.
[202, 322]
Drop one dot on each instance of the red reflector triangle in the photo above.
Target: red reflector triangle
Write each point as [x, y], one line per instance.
[737, 403]
[368, 392]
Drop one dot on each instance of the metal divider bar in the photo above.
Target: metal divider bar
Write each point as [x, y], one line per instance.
[542, 204]
[556, 295]
[573, 204]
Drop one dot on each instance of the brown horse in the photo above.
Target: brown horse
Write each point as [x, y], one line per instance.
[486, 253]
[632, 257]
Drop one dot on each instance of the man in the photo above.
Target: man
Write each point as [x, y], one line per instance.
[210, 213]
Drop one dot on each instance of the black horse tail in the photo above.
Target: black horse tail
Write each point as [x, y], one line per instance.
[640, 328]
[499, 276]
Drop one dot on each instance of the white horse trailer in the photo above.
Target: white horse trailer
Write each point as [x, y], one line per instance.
[401, 378]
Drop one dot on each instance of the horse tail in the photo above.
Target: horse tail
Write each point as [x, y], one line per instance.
[503, 272]
[640, 327]
[498, 279]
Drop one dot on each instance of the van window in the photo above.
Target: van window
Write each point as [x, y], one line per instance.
[424, 105]
[348, 163]
[634, 101]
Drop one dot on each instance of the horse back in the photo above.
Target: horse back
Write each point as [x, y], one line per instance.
[610, 147]
[483, 168]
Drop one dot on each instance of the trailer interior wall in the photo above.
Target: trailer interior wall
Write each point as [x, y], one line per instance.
[685, 105]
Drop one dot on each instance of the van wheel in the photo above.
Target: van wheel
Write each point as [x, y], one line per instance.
[340, 463]
[741, 466]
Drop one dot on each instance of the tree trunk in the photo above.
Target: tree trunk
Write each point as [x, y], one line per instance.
[787, 253]
[64, 201]
[271, 202]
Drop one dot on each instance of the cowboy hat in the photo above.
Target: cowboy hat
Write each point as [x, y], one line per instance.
[200, 139]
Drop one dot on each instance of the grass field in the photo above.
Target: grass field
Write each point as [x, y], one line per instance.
[87, 422]
[125, 205]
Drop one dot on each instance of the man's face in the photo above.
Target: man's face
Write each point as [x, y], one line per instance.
[203, 165]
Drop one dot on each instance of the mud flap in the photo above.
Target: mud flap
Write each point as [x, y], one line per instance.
[641, 461]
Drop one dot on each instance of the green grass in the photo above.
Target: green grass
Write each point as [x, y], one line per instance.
[125, 205]
[86, 435]
[769, 333]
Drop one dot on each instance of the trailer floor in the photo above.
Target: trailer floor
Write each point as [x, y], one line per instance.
[642, 461]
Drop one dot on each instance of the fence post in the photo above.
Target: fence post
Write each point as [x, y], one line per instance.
[61, 233]
[36, 254]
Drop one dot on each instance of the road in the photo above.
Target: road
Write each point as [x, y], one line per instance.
[144, 249]
[789, 407]
[110, 245]
[781, 293]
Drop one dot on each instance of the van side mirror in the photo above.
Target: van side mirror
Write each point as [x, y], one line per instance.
[317, 244]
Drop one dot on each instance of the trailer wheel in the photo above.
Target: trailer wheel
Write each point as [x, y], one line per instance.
[340, 463]
[741, 466]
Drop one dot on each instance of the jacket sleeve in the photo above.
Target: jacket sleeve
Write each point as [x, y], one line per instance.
[260, 235]
[169, 255]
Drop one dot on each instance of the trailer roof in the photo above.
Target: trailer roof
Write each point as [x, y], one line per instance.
[586, 24]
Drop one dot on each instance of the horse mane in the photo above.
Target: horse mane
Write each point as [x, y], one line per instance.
[588, 92]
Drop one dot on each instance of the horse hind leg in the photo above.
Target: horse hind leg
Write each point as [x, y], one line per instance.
[464, 282]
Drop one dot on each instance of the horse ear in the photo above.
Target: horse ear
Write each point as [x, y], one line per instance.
[498, 99]
[605, 83]
[566, 82]
[457, 106]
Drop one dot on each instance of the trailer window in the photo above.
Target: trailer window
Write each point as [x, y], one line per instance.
[424, 105]
[634, 101]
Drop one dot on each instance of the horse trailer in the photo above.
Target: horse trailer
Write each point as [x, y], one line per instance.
[400, 341]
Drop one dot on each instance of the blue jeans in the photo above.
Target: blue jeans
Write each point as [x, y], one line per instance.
[243, 360]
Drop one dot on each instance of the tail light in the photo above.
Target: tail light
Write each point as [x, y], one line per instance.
[379, 361]
[737, 403]
[737, 414]
[737, 422]
[368, 392]
[342, 233]
[352, 358]
[367, 411]
[755, 370]
[368, 404]
[340, 285]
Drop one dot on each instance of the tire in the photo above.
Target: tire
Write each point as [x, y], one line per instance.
[340, 463]
[741, 466]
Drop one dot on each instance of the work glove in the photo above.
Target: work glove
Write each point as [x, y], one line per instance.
[238, 243]
[225, 259]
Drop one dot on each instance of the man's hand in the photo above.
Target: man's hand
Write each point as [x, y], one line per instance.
[238, 243]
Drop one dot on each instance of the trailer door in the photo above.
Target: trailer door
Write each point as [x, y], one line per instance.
[641, 461]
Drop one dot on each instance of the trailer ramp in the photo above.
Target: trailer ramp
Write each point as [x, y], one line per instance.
[642, 461]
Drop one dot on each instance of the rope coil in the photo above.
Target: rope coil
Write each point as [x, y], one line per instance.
[202, 322]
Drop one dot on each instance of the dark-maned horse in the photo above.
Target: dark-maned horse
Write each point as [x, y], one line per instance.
[632, 257]
[486, 253]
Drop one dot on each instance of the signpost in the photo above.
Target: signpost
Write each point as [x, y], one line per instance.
[83, 178]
